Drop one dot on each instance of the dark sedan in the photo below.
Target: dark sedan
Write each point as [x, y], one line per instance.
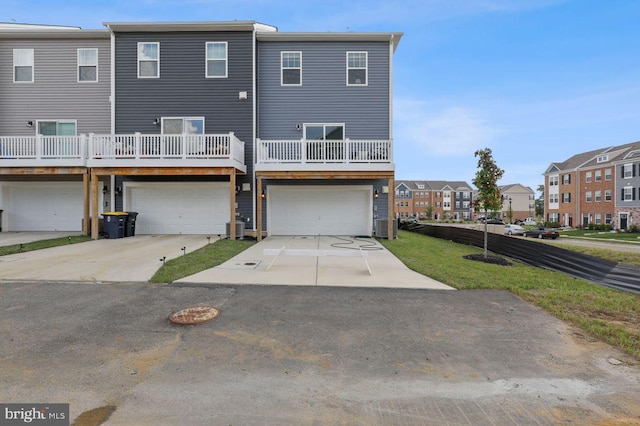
[541, 233]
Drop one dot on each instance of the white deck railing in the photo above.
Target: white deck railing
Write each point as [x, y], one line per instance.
[43, 150]
[122, 150]
[314, 152]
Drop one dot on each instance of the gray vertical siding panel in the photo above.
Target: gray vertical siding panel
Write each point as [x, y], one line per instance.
[55, 92]
[182, 90]
[324, 95]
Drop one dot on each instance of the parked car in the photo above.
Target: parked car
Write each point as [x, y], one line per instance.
[494, 221]
[510, 229]
[541, 233]
[527, 221]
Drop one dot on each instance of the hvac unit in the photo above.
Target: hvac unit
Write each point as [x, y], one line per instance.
[239, 229]
[382, 228]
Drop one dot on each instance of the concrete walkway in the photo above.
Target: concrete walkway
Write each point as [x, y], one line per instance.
[253, 266]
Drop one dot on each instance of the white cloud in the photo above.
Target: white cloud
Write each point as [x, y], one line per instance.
[453, 131]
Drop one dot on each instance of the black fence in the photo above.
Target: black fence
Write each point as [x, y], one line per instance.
[611, 274]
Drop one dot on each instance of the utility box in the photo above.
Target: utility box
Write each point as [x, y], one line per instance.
[239, 229]
[382, 228]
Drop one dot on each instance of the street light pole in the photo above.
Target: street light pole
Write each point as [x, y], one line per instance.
[510, 212]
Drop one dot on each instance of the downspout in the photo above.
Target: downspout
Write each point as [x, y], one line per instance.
[255, 195]
[112, 202]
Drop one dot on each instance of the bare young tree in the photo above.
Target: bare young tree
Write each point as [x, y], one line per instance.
[486, 180]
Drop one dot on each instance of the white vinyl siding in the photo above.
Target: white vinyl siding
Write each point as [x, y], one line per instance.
[149, 60]
[357, 68]
[217, 59]
[291, 68]
[88, 65]
[23, 68]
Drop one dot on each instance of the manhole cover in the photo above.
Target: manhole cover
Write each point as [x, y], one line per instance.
[194, 315]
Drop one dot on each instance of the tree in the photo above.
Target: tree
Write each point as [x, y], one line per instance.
[486, 180]
[539, 203]
[429, 212]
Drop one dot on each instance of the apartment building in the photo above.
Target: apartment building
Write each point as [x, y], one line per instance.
[444, 199]
[518, 202]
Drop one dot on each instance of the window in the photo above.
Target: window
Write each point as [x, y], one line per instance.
[566, 179]
[447, 204]
[566, 197]
[447, 194]
[602, 158]
[607, 195]
[56, 128]
[216, 59]
[437, 195]
[149, 60]
[291, 71]
[466, 195]
[457, 204]
[588, 177]
[628, 193]
[357, 68]
[554, 217]
[183, 125]
[598, 196]
[553, 180]
[598, 218]
[438, 204]
[466, 204]
[598, 175]
[88, 65]
[320, 151]
[553, 198]
[607, 218]
[628, 171]
[23, 65]
[607, 174]
[588, 197]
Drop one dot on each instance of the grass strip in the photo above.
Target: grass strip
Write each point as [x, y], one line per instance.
[610, 315]
[199, 260]
[43, 244]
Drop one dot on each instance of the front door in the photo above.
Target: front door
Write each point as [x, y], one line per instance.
[624, 218]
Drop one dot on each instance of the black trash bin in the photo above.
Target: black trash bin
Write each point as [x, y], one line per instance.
[130, 226]
[115, 224]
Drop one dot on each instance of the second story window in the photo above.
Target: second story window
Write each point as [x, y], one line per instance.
[588, 177]
[628, 171]
[56, 128]
[291, 68]
[566, 179]
[149, 60]
[23, 65]
[357, 68]
[183, 125]
[217, 59]
[88, 65]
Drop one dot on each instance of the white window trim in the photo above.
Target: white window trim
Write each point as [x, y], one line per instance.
[141, 43]
[87, 65]
[624, 172]
[366, 69]
[57, 121]
[625, 192]
[182, 118]
[282, 68]
[226, 59]
[32, 65]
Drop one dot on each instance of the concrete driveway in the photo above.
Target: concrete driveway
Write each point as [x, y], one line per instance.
[123, 259]
[316, 261]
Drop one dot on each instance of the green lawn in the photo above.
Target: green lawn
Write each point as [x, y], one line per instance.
[608, 314]
[42, 244]
[607, 235]
[199, 260]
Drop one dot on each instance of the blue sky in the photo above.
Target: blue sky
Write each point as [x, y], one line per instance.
[534, 80]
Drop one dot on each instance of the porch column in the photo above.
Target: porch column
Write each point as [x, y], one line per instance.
[232, 197]
[390, 207]
[259, 209]
[94, 205]
[86, 214]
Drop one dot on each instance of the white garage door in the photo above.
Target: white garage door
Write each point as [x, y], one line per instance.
[42, 206]
[179, 208]
[319, 210]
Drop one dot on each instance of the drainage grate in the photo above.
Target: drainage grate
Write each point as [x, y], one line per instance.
[194, 315]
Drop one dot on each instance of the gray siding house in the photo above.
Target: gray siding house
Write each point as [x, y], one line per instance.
[627, 205]
[185, 96]
[54, 90]
[324, 148]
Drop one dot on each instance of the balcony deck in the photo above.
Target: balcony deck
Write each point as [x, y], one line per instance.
[324, 155]
[113, 151]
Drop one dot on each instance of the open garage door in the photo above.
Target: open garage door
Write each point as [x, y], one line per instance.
[42, 206]
[319, 210]
[179, 208]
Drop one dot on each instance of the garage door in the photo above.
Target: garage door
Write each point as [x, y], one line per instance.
[319, 210]
[42, 206]
[179, 208]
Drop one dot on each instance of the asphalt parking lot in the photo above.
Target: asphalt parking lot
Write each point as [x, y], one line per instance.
[305, 355]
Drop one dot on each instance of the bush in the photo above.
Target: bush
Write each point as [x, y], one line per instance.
[634, 228]
[548, 224]
[600, 227]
